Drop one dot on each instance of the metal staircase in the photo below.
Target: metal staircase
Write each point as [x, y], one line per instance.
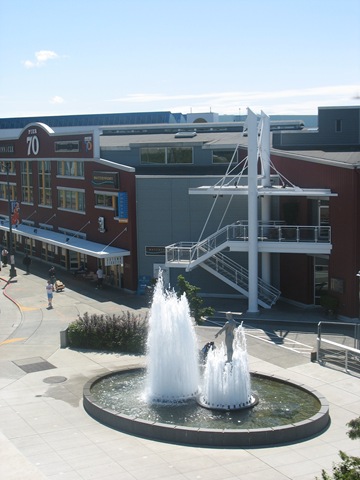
[237, 277]
[207, 254]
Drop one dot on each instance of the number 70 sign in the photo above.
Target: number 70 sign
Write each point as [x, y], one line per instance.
[33, 145]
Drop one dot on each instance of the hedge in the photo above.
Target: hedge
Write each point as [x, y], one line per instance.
[126, 332]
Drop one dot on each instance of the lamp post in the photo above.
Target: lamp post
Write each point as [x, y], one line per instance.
[7, 166]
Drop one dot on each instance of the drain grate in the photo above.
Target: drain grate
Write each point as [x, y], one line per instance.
[54, 380]
[35, 364]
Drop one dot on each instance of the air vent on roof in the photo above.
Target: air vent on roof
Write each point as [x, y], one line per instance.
[185, 134]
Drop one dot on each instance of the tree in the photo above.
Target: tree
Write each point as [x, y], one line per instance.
[195, 302]
[354, 431]
[349, 468]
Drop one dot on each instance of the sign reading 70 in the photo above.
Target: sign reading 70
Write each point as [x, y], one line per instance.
[33, 144]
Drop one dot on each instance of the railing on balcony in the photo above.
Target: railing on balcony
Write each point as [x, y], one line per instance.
[183, 252]
[280, 232]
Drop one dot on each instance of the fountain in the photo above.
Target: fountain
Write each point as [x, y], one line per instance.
[166, 400]
[173, 374]
[227, 384]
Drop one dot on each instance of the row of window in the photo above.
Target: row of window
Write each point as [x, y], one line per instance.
[180, 155]
[75, 200]
[148, 155]
[67, 199]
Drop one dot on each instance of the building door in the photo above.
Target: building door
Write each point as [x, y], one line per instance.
[29, 246]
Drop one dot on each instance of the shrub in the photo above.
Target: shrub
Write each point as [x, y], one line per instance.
[195, 302]
[349, 467]
[126, 332]
[330, 303]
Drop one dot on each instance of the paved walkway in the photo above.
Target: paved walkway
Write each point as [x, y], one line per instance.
[46, 434]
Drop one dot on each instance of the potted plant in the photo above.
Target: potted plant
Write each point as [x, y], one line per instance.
[330, 304]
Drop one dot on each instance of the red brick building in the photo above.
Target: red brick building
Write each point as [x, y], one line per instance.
[67, 205]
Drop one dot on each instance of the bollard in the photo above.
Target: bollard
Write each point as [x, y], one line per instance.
[64, 339]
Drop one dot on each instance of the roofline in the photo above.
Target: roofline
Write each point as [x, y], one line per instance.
[308, 158]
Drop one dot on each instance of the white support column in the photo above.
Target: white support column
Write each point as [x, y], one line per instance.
[265, 149]
[265, 201]
[252, 212]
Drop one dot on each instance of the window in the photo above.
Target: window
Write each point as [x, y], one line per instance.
[45, 197]
[324, 218]
[321, 278]
[4, 191]
[179, 155]
[71, 200]
[166, 155]
[6, 164]
[153, 155]
[68, 168]
[104, 200]
[338, 126]
[48, 252]
[224, 156]
[27, 188]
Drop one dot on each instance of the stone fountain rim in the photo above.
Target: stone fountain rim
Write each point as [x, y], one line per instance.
[209, 437]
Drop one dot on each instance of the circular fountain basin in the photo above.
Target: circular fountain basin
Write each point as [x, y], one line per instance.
[287, 412]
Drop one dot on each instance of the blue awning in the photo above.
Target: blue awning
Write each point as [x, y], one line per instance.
[69, 242]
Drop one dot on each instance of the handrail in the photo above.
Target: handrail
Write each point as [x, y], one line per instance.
[239, 275]
[324, 355]
[239, 231]
[342, 348]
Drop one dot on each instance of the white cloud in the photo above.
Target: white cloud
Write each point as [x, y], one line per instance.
[41, 58]
[57, 100]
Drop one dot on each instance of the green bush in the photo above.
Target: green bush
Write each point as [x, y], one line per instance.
[195, 302]
[349, 467]
[126, 332]
[330, 303]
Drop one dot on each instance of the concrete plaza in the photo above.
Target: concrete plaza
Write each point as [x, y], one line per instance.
[46, 434]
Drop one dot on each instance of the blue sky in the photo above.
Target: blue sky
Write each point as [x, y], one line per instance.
[62, 57]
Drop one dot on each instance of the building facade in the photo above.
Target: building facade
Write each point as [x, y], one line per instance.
[186, 185]
[59, 201]
[328, 157]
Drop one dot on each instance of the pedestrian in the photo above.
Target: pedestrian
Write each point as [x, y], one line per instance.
[27, 263]
[52, 275]
[4, 255]
[50, 293]
[100, 277]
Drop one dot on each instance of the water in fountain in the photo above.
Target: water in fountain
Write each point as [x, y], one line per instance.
[173, 376]
[227, 385]
[172, 360]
